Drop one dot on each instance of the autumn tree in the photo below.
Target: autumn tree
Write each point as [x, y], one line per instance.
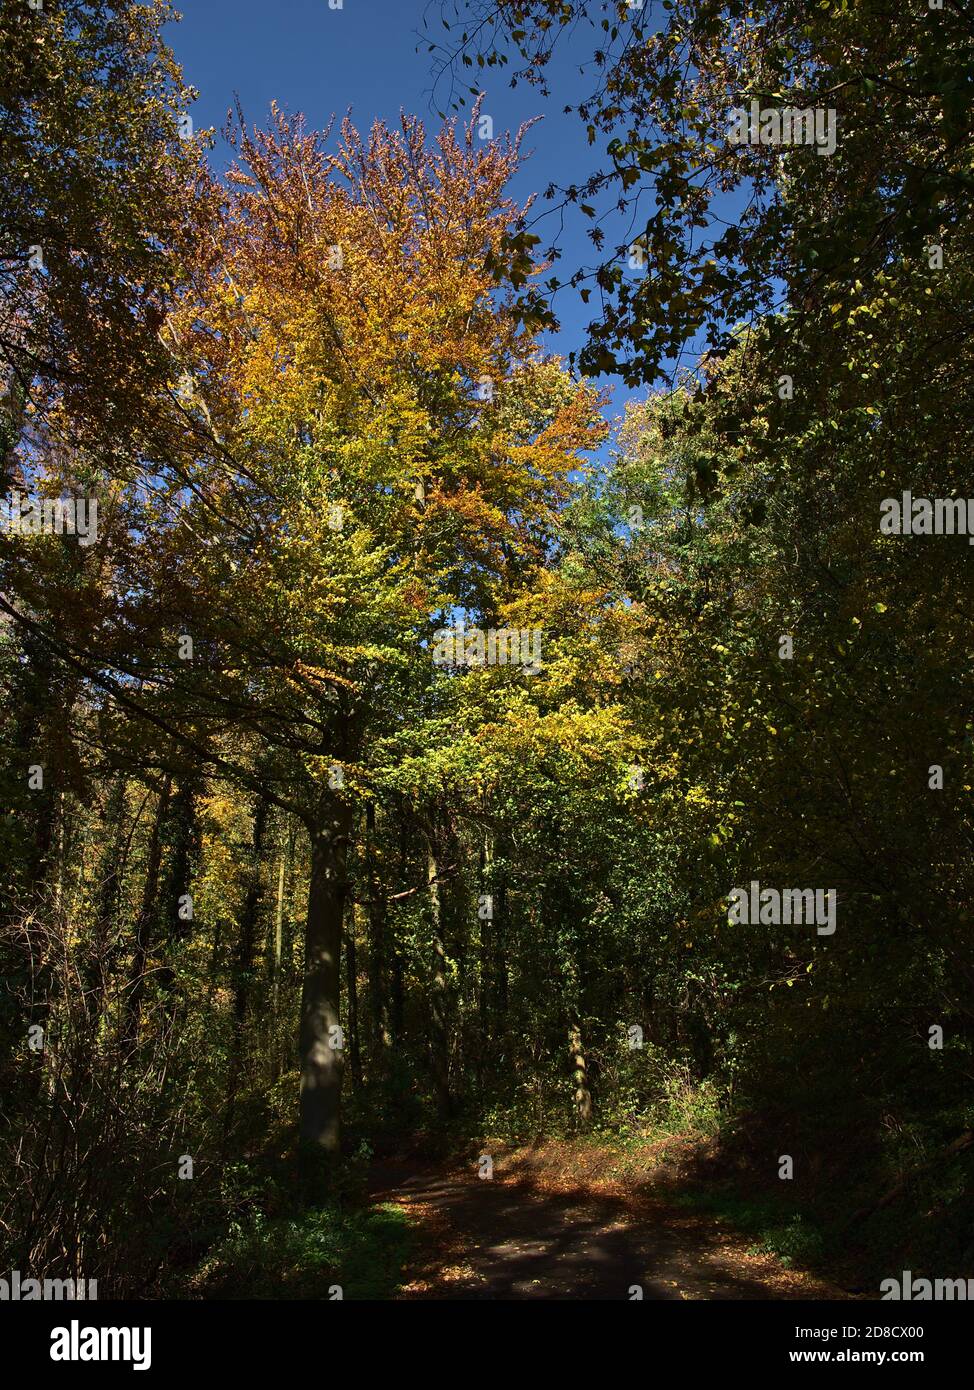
[353, 364]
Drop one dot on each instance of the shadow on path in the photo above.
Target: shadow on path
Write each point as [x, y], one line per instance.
[507, 1239]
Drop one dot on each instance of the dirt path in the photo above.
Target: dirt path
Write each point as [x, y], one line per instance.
[510, 1238]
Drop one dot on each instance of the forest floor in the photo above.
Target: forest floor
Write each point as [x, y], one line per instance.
[547, 1225]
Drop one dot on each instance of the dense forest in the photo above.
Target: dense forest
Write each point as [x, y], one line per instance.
[408, 756]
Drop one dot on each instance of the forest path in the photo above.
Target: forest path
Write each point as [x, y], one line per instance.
[509, 1237]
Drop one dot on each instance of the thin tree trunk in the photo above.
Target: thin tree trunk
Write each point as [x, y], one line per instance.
[59, 855]
[379, 1039]
[273, 1051]
[145, 926]
[111, 871]
[499, 935]
[439, 1032]
[185, 848]
[351, 991]
[483, 994]
[397, 1001]
[290, 968]
[243, 973]
[112, 864]
[278, 936]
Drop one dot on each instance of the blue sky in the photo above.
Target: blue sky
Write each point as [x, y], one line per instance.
[363, 59]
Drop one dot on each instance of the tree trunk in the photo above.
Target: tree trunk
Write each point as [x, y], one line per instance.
[112, 864]
[185, 849]
[111, 871]
[145, 927]
[278, 937]
[273, 1050]
[397, 1002]
[351, 992]
[439, 1031]
[483, 994]
[379, 1039]
[243, 973]
[499, 934]
[583, 1096]
[321, 1058]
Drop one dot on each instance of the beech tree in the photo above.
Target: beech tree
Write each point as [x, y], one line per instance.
[386, 448]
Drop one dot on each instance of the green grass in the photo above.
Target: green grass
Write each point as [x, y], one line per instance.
[777, 1231]
[360, 1249]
